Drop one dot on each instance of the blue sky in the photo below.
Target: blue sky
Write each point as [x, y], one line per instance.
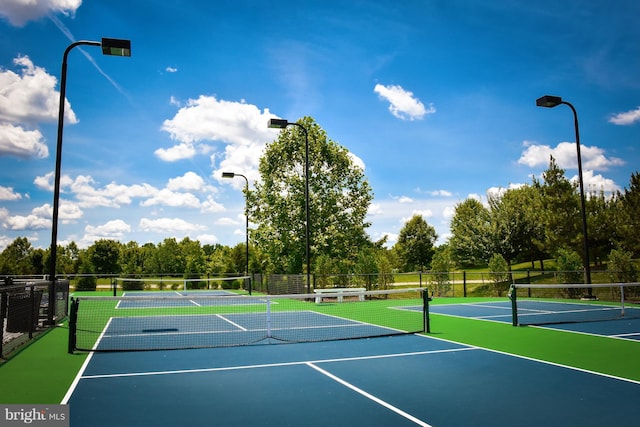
[435, 99]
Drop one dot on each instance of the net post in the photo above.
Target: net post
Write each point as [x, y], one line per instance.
[268, 316]
[73, 320]
[425, 310]
[622, 299]
[513, 296]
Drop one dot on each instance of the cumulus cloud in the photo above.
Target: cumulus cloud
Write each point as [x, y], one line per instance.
[18, 142]
[210, 119]
[626, 118]
[19, 12]
[402, 103]
[168, 225]
[595, 183]
[190, 181]
[7, 194]
[566, 157]
[114, 229]
[29, 96]
[201, 125]
[39, 218]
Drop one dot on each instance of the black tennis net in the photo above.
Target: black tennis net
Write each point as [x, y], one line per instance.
[546, 304]
[200, 319]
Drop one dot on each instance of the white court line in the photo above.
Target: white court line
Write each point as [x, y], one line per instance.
[370, 396]
[231, 322]
[546, 362]
[84, 366]
[271, 365]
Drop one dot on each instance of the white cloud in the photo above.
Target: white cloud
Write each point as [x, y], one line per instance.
[596, 183]
[190, 181]
[225, 221]
[171, 69]
[18, 12]
[207, 239]
[32, 221]
[211, 206]
[210, 119]
[167, 197]
[177, 152]
[448, 212]
[405, 199]
[403, 104]
[7, 193]
[168, 225]
[565, 154]
[30, 97]
[626, 118]
[18, 142]
[114, 229]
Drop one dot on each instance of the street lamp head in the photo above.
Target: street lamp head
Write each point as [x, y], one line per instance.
[278, 123]
[228, 175]
[548, 101]
[116, 47]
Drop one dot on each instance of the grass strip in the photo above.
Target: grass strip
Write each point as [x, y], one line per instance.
[42, 372]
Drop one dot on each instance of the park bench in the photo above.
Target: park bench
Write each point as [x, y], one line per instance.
[338, 292]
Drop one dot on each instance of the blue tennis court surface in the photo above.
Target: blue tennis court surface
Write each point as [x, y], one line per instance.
[403, 380]
[177, 299]
[597, 319]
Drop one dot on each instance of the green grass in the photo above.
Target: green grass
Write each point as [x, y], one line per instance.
[42, 372]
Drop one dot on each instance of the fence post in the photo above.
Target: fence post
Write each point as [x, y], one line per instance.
[464, 283]
[73, 318]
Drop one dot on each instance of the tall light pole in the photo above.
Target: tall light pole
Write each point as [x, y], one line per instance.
[549, 101]
[281, 124]
[115, 47]
[246, 216]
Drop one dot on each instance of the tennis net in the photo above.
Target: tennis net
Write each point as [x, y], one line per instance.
[546, 304]
[166, 320]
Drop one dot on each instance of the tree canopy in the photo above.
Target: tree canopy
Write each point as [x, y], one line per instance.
[339, 196]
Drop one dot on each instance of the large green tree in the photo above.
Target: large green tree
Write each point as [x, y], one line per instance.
[471, 242]
[513, 226]
[16, 258]
[339, 199]
[104, 255]
[415, 244]
[627, 207]
[560, 211]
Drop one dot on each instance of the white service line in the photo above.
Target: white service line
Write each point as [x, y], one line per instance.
[370, 396]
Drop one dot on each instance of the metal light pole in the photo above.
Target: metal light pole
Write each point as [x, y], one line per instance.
[246, 216]
[116, 47]
[281, 124]
[549, 101]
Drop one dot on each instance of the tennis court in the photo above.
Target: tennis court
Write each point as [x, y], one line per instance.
[398, 381]
[590, 318]
[389, 377]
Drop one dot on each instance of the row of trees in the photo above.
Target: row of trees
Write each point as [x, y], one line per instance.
[534, 222]
[543, 220]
